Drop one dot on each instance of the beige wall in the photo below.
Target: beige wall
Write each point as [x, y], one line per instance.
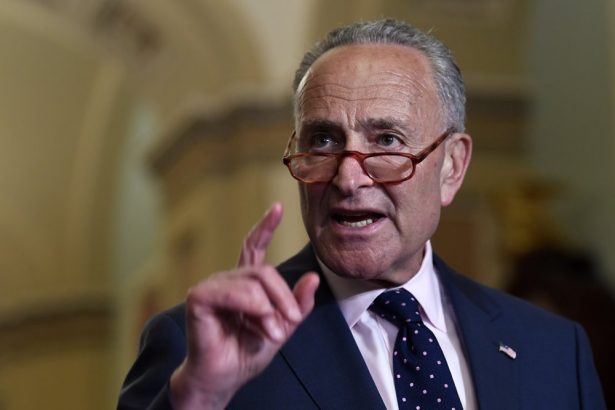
[90, 92]
[572, 136]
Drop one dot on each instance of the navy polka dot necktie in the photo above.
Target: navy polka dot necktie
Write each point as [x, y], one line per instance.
[423, 380]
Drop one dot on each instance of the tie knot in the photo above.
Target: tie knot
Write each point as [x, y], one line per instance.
[397, 306]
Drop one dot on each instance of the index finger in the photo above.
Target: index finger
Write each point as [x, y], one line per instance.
[255, 244]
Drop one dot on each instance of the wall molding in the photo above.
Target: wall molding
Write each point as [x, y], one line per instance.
[83, 321]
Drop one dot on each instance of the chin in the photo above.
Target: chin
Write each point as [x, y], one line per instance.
[357, 264]
[355, 272]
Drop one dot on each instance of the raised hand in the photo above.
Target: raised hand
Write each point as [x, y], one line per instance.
[237, 320]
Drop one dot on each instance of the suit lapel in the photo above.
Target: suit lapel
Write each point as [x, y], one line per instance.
[325, 358]
[483, 328]
[323, 353]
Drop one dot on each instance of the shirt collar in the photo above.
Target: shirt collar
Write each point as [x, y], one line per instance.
[354, 296]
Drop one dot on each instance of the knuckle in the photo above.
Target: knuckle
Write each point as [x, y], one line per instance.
[248, 241]
[191, 296]
[193, 301]
[251, 289]
[267, 271]
[202, 292]
[254, 296]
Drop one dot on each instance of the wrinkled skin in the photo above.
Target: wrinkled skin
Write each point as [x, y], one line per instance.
[236, 322]
[370, 98]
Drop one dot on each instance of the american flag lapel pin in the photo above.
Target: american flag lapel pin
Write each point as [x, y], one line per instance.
[508, 351]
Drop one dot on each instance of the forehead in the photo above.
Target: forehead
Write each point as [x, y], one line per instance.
[368, 79]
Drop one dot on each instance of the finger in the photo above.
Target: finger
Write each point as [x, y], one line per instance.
[279, 293]
[266, 326]
[305, 290]
[274, 329]
[240, 295]
[276, 288]
[278, 327]
[255, 244]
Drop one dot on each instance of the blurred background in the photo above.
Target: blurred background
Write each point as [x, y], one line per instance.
[140, 140]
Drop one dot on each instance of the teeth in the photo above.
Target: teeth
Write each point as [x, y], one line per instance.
[358, 224]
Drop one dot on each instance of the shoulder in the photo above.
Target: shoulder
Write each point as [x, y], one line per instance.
[554, 353]
[164, 337]
[165, 329]
[174, 317]
[498, 304]
[162, 348]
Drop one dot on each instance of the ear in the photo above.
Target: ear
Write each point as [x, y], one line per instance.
[457, 154]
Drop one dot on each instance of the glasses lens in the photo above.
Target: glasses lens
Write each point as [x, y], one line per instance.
[314, 168]
[388, 168]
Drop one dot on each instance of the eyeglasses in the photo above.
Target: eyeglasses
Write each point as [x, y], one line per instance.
[381, 167]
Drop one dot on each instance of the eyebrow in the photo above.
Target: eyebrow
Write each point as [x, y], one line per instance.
[323, 124]
[382, 123]
[369, 124]
[389, 123]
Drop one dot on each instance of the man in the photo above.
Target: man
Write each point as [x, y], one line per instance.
[379, 147]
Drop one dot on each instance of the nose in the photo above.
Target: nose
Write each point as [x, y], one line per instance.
[350, 176]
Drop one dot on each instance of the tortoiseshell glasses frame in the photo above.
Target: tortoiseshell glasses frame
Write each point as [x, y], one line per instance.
[381, 167]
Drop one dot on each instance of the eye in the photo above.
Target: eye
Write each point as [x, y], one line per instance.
[389, 140]
[324, 141]
[321, 140]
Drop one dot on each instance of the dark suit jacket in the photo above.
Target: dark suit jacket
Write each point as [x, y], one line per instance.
[321, 367]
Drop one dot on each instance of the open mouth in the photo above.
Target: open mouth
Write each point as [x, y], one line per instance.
[358, 220]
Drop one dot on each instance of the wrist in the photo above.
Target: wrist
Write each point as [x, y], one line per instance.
[187, 394]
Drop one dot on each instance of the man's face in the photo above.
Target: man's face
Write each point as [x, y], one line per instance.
[369, 98]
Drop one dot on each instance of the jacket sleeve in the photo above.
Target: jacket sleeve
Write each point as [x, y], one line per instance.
[162, 349]
[590, 391]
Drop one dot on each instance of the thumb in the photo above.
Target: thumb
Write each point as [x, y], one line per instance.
[304, 292]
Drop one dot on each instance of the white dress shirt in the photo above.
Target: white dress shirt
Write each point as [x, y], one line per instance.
[375, 336]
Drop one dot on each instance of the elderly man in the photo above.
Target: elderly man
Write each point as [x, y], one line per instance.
[365, 316]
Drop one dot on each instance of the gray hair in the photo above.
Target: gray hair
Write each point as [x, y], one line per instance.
[447, 76]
